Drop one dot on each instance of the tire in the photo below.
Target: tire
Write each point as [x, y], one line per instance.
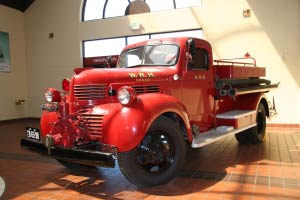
[255, 135]
[242, 137]
[158, 158]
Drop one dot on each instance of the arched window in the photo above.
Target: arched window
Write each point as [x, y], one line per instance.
[159, 5]
[115, 8]
[101, 9]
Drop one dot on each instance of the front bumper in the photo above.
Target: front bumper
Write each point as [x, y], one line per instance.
[80, 156]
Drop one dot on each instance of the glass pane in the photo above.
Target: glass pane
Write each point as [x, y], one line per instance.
[158, 5]
[193, 33]
[187, 3]
[105, 47]
[93, 10]
[116, 8]
[165, 55]
[131, 57]
[135, 39]
[161, 55]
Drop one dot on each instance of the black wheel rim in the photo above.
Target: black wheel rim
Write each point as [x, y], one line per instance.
[156, 152]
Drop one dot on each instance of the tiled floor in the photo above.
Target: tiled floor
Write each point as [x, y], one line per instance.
[223, 170]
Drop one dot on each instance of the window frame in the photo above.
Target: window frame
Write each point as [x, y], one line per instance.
[126, 39]
[129, 1]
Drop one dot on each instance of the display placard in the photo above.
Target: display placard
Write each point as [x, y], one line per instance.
[4, 52]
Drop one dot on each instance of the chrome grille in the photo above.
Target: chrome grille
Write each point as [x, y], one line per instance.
[94, 124]
[146, 89]
[90, 92]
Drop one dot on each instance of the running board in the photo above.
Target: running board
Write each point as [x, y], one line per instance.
[216, 134]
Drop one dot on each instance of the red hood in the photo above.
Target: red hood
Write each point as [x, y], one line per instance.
[124, 75]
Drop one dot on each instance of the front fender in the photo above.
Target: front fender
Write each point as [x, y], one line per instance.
[125, 127]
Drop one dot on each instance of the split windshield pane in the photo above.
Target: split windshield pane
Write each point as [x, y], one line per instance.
[156, 55]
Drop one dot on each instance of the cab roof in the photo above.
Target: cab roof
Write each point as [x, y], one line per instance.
[175, 40]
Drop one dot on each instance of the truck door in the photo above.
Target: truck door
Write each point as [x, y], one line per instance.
[198, 86]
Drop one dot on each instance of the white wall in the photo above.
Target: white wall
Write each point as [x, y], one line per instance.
[13, 84]
[51, 60]
[271, 35]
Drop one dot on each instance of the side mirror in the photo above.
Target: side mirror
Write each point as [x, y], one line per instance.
[190, 51]
[108, 61]
[189, 59]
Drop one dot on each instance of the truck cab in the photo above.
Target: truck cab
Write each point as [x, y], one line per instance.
[162, 94]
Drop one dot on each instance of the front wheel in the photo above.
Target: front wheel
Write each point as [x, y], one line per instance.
[158, 158]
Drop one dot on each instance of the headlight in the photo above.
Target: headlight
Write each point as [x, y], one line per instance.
[126, 95]
[52, 95]
[48, 96]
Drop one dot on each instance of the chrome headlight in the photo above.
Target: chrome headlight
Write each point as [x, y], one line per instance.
[52, 95]
[48, 96]
[126, 95]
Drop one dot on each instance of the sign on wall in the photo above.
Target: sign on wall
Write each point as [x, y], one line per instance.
[101, 61]
[4, 52]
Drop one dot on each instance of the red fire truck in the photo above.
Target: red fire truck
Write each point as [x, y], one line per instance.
[162, 95]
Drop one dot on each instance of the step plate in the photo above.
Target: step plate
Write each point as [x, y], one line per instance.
[237, 118]
[216, 134]
[235, 114]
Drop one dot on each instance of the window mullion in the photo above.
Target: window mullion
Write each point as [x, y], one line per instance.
[104, 9]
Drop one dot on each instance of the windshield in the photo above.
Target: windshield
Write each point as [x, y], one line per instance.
[163, 54]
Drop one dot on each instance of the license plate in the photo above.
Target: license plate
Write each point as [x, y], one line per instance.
[33, 133]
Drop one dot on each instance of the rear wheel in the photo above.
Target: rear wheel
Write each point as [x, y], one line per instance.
[242, 137]
[158, 158]
[256, 134]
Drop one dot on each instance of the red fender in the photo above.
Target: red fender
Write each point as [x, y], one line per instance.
[125, 127]
[251, 102]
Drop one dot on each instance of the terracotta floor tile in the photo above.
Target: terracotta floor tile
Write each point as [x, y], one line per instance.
[292, 193]
[246, 189]
[150, 197]
[24, 197]
[244, 197]
[227, 196]
[213, 196]
[200, 193]
[197, 197]
[262, 190]
[223, 170]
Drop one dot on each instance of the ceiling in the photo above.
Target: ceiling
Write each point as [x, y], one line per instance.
[20, 5]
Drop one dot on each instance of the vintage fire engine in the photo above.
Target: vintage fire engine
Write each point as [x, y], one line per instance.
[162, 95]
